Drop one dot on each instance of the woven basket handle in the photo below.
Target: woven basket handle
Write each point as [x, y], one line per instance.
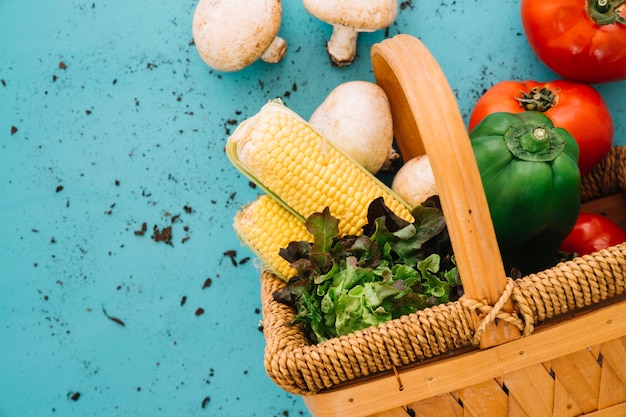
[427, 120]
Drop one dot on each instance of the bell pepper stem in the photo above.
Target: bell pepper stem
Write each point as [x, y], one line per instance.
[533, 143]
[536, 140]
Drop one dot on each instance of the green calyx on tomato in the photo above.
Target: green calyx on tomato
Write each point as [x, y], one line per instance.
[531, 180]
[605, 12]
[537, 99]
[576, 107]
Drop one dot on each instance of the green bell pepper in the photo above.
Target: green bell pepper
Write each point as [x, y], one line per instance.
[530, 174]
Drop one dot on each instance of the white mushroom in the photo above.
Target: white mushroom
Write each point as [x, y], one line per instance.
[356, 118]
[232, 34]
[414, 181]
[348, 18]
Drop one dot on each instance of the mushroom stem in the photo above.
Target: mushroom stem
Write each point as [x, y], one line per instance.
[341, 46]
[276, 51]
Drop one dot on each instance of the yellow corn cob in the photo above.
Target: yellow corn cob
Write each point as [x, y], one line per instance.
[286, 157]
[265, 227]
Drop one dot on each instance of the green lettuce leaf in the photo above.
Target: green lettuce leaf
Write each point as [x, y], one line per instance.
[348, 283]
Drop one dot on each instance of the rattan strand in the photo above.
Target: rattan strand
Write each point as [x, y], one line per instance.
[305, 369]
[491, 313]
[608, 177]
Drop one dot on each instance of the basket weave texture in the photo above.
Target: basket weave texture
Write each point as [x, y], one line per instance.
[304, 369]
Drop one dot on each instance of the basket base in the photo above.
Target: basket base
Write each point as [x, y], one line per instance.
[449, 405]
[563, 369]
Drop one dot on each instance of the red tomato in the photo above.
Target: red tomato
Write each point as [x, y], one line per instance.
[576, 107]
[581, 40]
[591, 233]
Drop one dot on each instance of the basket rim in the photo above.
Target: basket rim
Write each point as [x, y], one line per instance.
[303, 368]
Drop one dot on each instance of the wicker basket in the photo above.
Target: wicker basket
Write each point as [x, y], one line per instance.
[548, 344]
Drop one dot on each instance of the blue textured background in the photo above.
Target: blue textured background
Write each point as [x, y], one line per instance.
[132, 130]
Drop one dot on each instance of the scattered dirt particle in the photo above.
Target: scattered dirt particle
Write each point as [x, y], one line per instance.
[117, 183]
[74, 396]
[183, 300]
[244, 260]
[406, 4]
[59, 188]
[163, 235]
[252, 184]
[184, 239]
[87, 112]
[13, 130]
[205, 401]
[199, 311]
[112, 318]
[187, 209]
[62, 65]
[232, 254]
[207, 283]
[142, 231]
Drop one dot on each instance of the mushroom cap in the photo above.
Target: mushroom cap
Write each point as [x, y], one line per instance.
[362, 15]
[232, 34]
[356, 118]
[415, 182]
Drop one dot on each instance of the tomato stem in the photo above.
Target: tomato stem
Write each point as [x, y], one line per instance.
[537, 99]
[605, 12]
